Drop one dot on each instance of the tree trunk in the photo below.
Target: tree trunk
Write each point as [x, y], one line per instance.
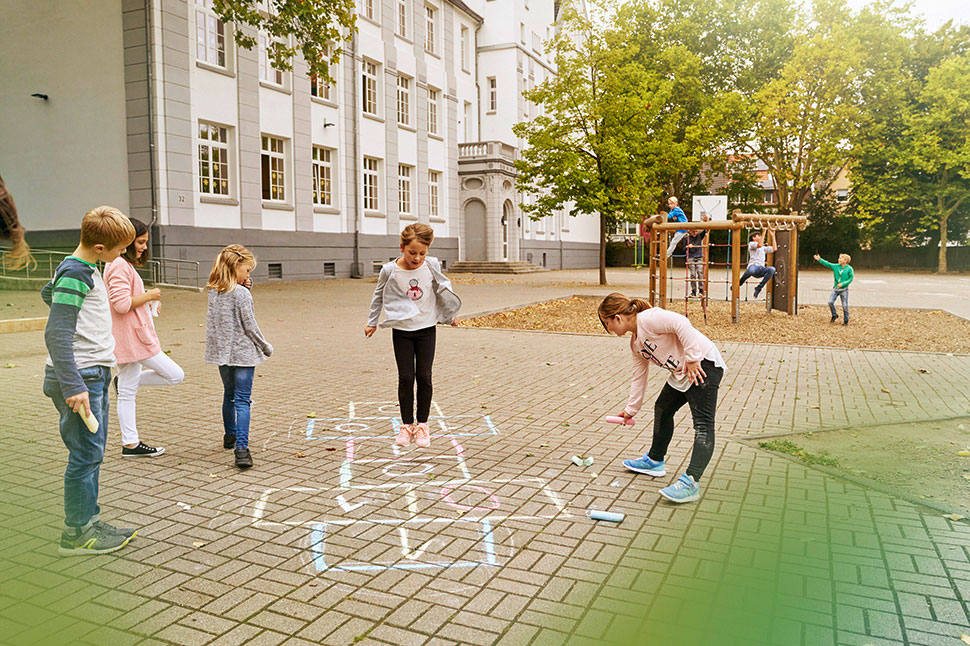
[603, 240]
[942, 265]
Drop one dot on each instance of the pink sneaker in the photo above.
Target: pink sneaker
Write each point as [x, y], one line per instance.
[422, 435]
[404, 435]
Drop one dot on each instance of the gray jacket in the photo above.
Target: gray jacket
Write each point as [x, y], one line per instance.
[232, 337]
[398, 308]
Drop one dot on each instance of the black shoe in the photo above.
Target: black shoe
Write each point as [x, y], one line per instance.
[243, 459]
[757, 292]
[845, 323]
[115, 382]
[142, 451]
[228, 441]
[833, 319]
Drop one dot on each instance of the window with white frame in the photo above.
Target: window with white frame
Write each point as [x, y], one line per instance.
[403, 16]
[842, 195]
[370, 9]
[268, 73]
[371, 184]
[432, 111]
[536, 43]
[468, 121]
[431, 17]
[404, 189]
[320, 88]
[492, 94]
[210, 35]
[322, 176]
[273, 167]
[522, 32]
[369, 87]
[434, 178]
[463, 44]
[404, 100]
[213, 159]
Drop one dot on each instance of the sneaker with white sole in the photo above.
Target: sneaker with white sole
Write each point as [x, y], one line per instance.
[422, 435]
[96, 538]
[684, 489]
[142, 451]
[404, 434]
[646, 465]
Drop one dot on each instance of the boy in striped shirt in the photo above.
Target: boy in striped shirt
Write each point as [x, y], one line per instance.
[78, 371]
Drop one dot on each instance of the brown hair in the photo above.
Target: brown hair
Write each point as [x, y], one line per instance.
[417, 231]
[18, 255]
[130, 254]
[222, 278]
[617, 303]
[106, 225]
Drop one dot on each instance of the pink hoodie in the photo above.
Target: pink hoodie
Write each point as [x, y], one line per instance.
[670, 341]
[133, 329]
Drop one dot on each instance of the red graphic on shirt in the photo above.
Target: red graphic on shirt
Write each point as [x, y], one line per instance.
[414, 292]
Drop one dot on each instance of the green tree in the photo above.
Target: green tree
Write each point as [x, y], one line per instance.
[313, 25]
[598, 143]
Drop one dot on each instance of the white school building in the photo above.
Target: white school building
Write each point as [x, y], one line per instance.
[149, 105]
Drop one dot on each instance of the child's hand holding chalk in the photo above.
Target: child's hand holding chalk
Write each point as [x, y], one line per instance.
[619, 419]
[81, 404]
[89, 419]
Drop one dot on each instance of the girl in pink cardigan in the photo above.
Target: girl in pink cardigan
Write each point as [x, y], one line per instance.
[141, 361]
[695, 366]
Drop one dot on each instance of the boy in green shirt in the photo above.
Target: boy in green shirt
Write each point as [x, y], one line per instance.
[843, 275]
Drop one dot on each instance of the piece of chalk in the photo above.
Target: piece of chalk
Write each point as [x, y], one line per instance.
[578, 461]
[610, 516]
[89, 420]
[616, 419]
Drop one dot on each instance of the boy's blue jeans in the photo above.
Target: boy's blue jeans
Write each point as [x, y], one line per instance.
[85, 449]
[237, 389]
[842, 294]
[757, 271]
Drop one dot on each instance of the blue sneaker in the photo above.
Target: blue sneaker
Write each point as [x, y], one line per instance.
[757, 292]
[647, 466]
[684, 489]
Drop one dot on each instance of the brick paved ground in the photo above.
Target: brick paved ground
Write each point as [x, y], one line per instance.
[483, 539]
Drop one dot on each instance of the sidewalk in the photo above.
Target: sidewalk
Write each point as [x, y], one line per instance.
[336, 537]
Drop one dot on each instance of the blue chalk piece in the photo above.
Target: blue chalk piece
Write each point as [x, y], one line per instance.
[612, 517]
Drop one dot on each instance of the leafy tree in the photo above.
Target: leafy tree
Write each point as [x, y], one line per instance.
[831, 231]
[312, 24]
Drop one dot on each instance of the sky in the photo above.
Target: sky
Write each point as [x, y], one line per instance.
[935, 12]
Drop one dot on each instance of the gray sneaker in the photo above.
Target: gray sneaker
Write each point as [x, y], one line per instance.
[98, 538]
[111, 529]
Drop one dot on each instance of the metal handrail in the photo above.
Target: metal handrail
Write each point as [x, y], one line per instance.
[39, 269]
[189, 267]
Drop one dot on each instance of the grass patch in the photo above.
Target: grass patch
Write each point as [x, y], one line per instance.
[789, 447]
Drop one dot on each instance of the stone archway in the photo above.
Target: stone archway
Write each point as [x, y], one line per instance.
[476, 243]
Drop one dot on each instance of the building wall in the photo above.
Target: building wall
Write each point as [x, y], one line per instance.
[68, 154]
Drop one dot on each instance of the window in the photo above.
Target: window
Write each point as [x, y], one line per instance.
[404, 100]
[322, 176]
[210, 35]
[371, 184]
[492, 94]
[213, 159]
[320, 88]
[842, 195]
[273, 169]
[267, 72]
[431, 15]
[370, 9]
[769, 197]
[522, 32]
[536, 43]
[468, 122]
[404, 189]
[463, 43]
[433, 177]
[402, 18]
[370, 87]
[432, 111]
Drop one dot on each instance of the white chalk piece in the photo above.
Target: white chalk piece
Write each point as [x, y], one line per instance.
[616, 419]
[89, 420]
[153, 307]
[610, 516]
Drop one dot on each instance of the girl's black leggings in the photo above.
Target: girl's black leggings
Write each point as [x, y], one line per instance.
[414, 353]
[702, 399]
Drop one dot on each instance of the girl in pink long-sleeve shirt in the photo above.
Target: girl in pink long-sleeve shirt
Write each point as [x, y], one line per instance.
[695, 366]
[141, 361]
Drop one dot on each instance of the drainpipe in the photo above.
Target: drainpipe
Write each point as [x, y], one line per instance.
[149, 61]
[355, 269]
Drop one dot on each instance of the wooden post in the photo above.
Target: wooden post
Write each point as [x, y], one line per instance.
[735, 274]
[662, 260]
[652, 250]
[793, 273]
[770, 287]
[705, 282]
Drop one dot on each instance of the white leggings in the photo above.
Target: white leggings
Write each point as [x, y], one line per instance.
[158, 371]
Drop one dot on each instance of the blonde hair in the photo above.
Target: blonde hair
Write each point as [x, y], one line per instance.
[222, 278]
[673, 200]
[848, 258]
[417, 231]
[617, 303]
[106, 225]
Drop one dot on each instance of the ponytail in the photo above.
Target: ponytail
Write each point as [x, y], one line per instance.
[617, 303]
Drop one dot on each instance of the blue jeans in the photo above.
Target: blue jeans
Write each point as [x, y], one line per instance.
[237, 389]
[85, 450]
[757, 271]
[844, 295]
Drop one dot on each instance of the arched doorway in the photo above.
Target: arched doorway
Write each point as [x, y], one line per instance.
[476, 247]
